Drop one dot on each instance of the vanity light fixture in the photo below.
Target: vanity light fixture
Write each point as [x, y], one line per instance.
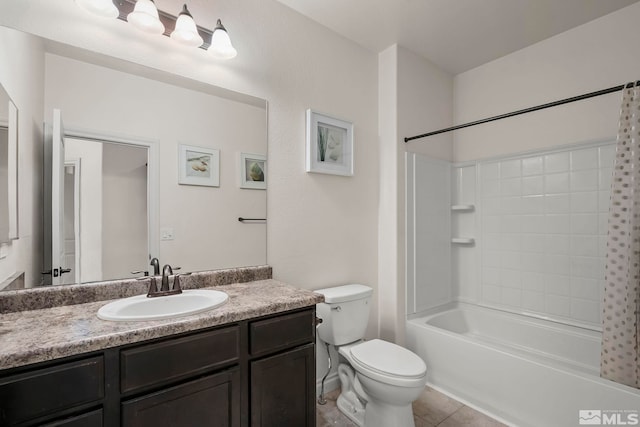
[186, 32]
[221, 46]
[145, 17]
[103, 8]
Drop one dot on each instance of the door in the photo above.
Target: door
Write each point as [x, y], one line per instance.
[58, 256]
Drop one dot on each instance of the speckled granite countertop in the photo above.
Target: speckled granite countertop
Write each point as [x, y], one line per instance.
[28, 337]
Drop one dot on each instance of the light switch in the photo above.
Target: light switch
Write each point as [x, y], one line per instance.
[166, 233]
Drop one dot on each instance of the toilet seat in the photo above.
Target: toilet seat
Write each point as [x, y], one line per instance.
[388, 363]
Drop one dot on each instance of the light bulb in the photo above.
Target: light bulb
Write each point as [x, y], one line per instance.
[186, 32]
[145, 17]
[221, 46]
[103, 8]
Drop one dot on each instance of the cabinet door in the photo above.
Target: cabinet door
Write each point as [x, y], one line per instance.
[212, 401]
[282, 389]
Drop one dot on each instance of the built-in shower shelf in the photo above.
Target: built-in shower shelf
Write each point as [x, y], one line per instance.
[463, 208]
[463, 240]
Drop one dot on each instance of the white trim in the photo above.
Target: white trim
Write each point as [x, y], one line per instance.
[12, 171]
[76, 163]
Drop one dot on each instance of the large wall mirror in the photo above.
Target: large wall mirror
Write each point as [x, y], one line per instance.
[135, 164]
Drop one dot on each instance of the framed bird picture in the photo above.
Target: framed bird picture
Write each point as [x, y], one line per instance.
[253, 171]
[198, 166]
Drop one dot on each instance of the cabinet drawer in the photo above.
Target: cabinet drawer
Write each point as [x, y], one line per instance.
[90, 419]
[281, 332]
[46, 391]
[178, 358]
[212, 401]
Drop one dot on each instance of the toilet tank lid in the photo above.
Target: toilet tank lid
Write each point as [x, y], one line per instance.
[345, 293]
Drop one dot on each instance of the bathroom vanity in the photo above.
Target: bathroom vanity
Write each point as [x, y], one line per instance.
[250, 362]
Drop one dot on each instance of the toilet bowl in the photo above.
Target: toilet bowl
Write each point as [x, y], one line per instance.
[390, 378]
[380, 379]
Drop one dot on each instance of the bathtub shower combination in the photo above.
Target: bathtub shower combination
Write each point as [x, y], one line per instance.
[504, 300]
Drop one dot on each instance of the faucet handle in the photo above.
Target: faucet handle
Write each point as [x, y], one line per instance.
[153, 287]
[176, 282]
[146, 273]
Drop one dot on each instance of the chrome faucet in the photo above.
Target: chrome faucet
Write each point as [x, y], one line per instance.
[167, 271]
[155, 262]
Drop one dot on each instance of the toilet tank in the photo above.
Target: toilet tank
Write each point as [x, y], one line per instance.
[344, 314]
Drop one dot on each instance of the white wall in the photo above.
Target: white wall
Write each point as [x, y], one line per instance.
[414, 95]
[125, 236]
[22, 75]
[594, 56]
[389, 264]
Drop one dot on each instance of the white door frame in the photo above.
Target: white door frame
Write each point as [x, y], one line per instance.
[153, 177]
[76, 164]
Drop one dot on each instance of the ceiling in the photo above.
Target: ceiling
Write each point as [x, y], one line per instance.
[456, 35]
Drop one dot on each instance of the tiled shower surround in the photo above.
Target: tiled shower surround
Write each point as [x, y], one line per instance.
[539, 221]
[543, 221]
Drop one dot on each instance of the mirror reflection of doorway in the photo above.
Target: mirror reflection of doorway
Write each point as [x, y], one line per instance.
[106, 227]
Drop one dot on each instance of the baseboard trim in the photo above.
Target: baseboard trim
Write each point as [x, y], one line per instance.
[331, 383]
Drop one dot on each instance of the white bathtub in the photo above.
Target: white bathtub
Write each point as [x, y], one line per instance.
[524, 371]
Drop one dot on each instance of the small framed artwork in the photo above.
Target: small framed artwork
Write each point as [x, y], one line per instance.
[329, 145]
[198, 166]
[253, 171]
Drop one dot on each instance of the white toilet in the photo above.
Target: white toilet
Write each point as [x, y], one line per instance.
[387, 377]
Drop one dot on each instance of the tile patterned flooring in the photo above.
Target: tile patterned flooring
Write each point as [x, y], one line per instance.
[430, 410]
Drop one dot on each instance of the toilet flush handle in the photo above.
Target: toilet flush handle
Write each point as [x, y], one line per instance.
[336, 308]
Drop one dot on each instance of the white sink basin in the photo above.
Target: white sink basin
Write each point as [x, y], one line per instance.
[140, 307]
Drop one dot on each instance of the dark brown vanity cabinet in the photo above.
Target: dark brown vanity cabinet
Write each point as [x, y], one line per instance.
[282, 370]
[258, 372]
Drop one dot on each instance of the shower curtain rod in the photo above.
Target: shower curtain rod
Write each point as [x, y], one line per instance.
[526, 110]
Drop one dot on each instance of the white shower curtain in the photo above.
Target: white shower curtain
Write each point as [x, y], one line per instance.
[621, 313]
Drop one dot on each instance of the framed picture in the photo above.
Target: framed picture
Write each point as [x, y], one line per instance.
[253, 171]
[198, 166]
[329, 145]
